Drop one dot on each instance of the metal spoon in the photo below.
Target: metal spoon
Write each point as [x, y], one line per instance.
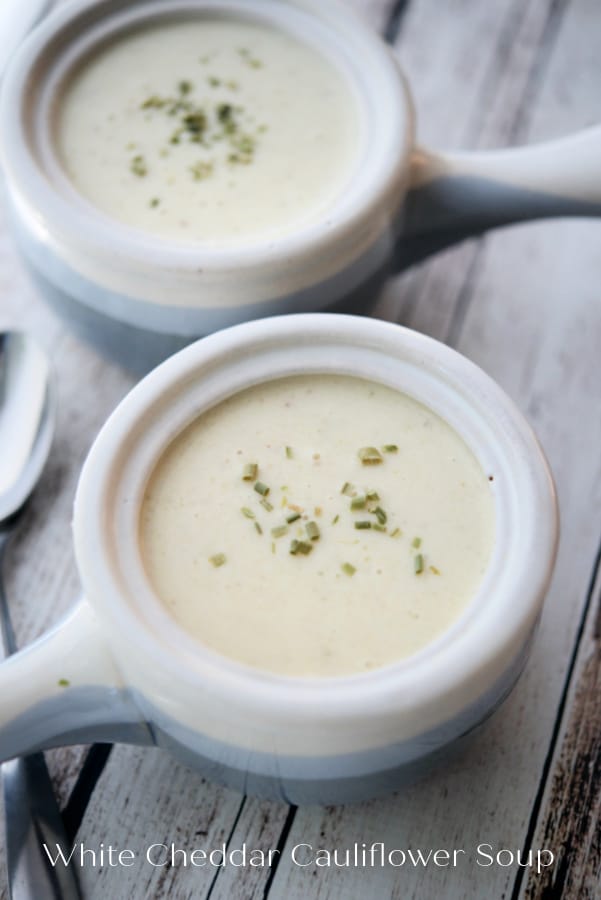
[31, 810]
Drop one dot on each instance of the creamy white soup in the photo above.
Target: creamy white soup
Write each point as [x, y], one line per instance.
[317, 526]
[209, 129]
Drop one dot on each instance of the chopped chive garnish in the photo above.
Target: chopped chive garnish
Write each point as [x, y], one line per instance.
[300, 547]
[250, 472]
[247, 512]
[380, 515]
[218, 559]
[377, 527]
[372, 496]
[138, 166]
[358, 502]
[292, 517]
[362, 526]
[348, 489]
[289, 453]
[154, 202]
[261, 488]
[63, 682]
[272, 547]
[258, 528]
[266, 504]
[318, 511]
[279, 531]
[416, 542]
[418, 564]
[348, 569]
[313, 532]
[396, 533]
[390, 448]
[335, 519]
[369, 456]
[434, 570]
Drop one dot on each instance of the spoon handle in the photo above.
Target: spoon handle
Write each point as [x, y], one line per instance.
[31, 810]
[33, 820]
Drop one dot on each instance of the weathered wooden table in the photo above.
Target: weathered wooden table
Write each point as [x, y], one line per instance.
[524, 303]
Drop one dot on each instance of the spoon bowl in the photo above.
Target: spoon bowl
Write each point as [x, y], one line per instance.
[27, 411]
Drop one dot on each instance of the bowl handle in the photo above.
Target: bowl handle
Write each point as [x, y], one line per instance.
[453, 196]
[64, 689]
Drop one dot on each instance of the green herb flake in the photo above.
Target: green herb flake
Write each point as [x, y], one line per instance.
[250, 472]
[195, 123]
[380, 515]
[249, 59]
[359, 502]
[213, 81]
[154, 102]
[348, 569]
[362, 525]
[313, 532]
[418, 564]
[154, 202]
[289, 453]
[63, 682]
[261, 488]
[369, 456]
[434, 570]
[266, 504]
[279, 531]
[335, 519]
[218, 560]
[225, 115]
[202, 170]
[247, 512]
[372, 496]
[390, 448]
[347, 489]
[416, 542]
[185, 87]
[244, 147]
[396, 533]
[138, 166]
[303, 547]
[293, 517]
[258, 528]
[377, 527]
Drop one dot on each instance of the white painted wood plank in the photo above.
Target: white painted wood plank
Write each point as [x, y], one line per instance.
[145, 798]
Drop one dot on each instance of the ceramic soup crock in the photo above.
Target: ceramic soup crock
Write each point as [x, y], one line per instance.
[140, 297]
[118, 668]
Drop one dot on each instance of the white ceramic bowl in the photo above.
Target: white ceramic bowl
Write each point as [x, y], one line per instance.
[135, 675]
[140, 297]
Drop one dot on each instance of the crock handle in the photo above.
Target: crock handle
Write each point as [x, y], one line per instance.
[453, 196]
[65, 689]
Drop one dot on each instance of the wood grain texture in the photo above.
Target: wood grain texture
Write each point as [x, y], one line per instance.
[525, 304]
[571, 813]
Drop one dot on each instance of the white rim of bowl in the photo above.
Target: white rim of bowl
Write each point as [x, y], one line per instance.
[517, 577]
